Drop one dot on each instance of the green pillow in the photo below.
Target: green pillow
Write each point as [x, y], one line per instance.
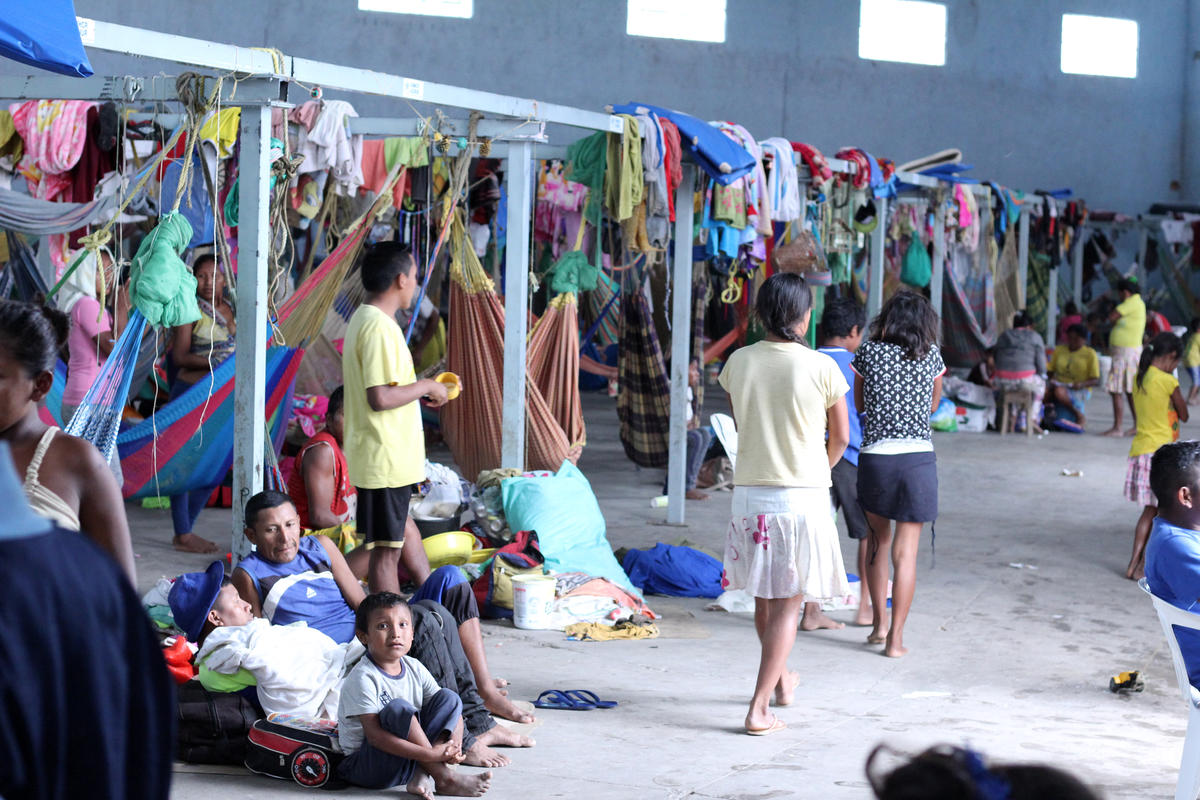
[217, 682]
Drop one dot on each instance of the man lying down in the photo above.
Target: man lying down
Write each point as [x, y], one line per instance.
[299, 667]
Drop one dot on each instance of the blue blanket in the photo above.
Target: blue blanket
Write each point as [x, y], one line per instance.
[722, 158]
[674, 570]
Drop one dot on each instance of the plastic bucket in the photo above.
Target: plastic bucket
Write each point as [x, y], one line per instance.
[533, 601]
[1105, 368]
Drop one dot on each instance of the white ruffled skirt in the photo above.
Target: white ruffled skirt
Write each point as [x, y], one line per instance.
[783, 542]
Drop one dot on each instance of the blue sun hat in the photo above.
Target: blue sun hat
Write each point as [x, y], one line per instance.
[192, 597]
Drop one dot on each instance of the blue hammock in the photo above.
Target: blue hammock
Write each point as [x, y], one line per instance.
[188, 443]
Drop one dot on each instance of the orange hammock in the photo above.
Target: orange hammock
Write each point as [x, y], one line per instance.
[553, 364]
[472, 424]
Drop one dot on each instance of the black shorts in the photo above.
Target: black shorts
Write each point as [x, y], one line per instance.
[901, 487]
[845, 498]
[382, 514]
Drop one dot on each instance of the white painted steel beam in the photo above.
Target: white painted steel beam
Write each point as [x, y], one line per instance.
[1081, 238]
[1052, 308]
[681, 346]
[1023, 255]
[497, 129]
[125, 88]
[939, 259]
[875, 270]
[519, 175]
[249, 387]
[230, 58]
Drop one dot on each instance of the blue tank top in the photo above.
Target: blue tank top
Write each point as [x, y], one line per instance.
[302, 590]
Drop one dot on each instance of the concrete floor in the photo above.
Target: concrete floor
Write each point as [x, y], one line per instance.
[1013, 661]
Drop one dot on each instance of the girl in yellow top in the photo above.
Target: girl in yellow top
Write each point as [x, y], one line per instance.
[1160, 408]
[1191, 359]
[782, 543]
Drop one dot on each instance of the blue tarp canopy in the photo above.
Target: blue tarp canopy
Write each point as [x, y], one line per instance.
[43, 34]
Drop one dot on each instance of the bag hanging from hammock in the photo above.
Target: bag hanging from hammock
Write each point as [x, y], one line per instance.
[916, 269]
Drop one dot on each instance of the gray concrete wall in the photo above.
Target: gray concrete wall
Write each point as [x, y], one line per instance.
[787, 67]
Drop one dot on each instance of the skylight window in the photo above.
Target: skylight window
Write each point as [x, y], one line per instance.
[694, 20]
[463, 9]
[909, 31]
[1106, 46]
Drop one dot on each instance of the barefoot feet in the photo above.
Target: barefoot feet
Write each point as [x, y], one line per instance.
[421, 784]
[191, 543]
[459, 784]
[865, 615]
[501, 706]
[894, 649]
[480, 755]
[815, 619]
[500, 736]
[785, 690]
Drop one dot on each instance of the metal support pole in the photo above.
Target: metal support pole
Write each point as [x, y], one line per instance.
[1052, 308]
[250, 378]
[1081, 238]
[939, 258]
[1143, 243]
[875, 275]
[518, 173]
[681, 345]
[1023, 256]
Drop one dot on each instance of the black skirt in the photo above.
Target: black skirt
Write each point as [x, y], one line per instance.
[901, 487]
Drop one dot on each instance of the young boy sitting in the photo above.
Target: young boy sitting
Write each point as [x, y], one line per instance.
[1173, 552]
[298, 670]
[292, 577]
[842, 325]
[385, 446]
[395, 723]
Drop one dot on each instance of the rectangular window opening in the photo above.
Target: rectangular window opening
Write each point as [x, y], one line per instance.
[693, 20]
[908, 31]
[1104, 46]
[462, 9]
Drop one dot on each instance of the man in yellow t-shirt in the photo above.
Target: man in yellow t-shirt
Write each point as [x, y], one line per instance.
[385, 445]
[1073, 371]
[1125, 346]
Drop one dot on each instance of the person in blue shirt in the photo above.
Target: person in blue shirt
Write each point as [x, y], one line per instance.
[842, 325]
[1173, 552]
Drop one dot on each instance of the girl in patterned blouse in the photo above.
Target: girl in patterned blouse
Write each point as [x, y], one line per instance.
[898, 383]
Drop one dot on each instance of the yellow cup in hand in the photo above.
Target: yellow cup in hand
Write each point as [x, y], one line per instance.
[452, 383]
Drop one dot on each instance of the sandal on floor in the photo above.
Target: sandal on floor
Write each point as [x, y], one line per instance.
[561, 701]
[776, 726]
[585, 696]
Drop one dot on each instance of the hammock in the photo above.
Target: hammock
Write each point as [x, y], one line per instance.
[968, 309]
[644, 394]
[188, 443]
[95, 419]
[553, 365]
[472, 424]
[21, 278]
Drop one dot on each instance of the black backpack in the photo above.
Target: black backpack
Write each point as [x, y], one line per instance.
[213, 725]
[307, 755]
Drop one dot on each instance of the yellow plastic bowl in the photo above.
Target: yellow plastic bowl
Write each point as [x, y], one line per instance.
[481, 555]
[452, 547]
[452, 383]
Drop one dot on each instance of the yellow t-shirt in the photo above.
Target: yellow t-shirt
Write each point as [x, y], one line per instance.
[384, 449]
[781, 392]
[1131, 326]
[1191, 356]
[1157, 422]
[1074, 367]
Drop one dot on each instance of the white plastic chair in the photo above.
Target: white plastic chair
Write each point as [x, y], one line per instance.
[726, 432]
[1188, 785]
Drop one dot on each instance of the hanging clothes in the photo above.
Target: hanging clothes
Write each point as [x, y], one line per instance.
[672, 161]
[54, 133]
[655, 177]
[623, 181]
[330, 146]
[758, 200]
[819, 168]
[783, 184]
